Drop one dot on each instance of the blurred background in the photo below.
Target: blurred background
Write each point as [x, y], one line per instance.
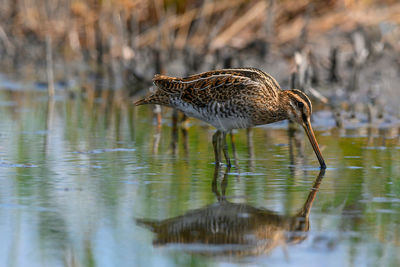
[88, 46]
[87, 177]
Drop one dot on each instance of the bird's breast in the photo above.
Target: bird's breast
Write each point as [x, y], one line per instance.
[223, 116]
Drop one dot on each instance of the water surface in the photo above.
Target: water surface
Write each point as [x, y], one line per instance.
[80, 177]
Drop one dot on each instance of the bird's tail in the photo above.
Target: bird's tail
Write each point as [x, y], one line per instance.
[146, 100]
[157, 97]
[165, 88]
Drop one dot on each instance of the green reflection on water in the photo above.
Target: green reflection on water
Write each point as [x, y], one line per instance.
[76, 174]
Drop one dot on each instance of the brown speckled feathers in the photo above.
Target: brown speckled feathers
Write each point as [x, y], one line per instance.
[219, 85]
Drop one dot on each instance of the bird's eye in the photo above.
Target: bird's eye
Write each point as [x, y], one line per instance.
[300, 104]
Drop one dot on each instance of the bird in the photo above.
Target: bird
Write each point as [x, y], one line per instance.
[233, 99]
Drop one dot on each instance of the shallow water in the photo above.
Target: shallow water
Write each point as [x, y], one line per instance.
[84, 182]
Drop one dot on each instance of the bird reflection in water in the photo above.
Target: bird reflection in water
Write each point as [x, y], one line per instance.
[226, 228]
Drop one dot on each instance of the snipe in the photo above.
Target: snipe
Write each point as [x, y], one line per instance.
[234, 98]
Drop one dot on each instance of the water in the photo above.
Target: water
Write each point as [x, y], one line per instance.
[79, 179]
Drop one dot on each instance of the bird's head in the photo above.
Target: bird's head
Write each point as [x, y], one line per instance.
[299, 110]
[300, 107]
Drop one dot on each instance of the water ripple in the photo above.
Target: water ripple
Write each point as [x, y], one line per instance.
[99, 151]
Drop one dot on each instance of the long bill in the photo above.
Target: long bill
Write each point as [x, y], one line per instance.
[314, 143]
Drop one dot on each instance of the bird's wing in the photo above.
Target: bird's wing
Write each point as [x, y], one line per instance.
[218, 85]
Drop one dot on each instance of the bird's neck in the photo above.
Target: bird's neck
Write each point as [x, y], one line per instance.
[276, 110]
[284, 104]
[281, 107]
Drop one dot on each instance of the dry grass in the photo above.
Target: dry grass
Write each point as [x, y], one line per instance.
[165, 24]
[112, 36]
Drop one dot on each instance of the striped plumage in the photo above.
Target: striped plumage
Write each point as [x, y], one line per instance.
[233, 98]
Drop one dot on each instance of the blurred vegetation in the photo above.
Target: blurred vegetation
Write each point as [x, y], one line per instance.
[123, 43]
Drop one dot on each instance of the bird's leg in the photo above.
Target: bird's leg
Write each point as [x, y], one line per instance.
[250, 147]
[225, 149]
[175, 134]
[184, 129]
[216, 144]
[233, 145]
